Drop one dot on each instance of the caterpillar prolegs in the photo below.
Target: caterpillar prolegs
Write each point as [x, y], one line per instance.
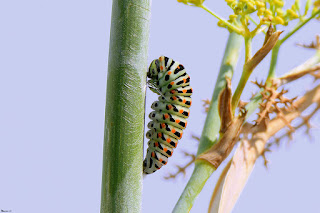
[170, 81]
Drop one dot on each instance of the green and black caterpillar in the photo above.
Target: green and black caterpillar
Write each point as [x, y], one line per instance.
[170, 81]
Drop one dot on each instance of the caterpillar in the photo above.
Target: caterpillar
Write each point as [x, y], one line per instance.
[170, 81]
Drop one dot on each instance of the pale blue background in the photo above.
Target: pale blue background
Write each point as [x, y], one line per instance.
[53, 66]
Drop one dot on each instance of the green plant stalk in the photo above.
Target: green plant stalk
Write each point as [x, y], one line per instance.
[248, 48]
[228, 24]
[299, 25]
[273, 62]
[242, 83]
[244, 76]
[203, 170]
[125, 105]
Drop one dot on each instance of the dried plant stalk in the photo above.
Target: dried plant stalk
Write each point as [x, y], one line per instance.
[247, 153]
[225, 108]
[297, 74]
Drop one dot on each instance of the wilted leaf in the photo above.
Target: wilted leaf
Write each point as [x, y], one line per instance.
[260, 54]
[224, 106]
[220, 151]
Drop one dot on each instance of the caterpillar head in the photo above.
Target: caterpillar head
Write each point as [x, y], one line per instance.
[154, 69]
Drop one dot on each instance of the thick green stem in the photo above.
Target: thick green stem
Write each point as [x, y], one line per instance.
[203, 170]
[125, 105]
[212, 124]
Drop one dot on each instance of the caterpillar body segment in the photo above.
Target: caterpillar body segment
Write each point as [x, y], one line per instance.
[169, 80]
[171, 108]
[171, 119]
[162, 138]
[161, 147]
[182, 91]
[180, 100]
[171, 75]
[179, 82]
[166, 128]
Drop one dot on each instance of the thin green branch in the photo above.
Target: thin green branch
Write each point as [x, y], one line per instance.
[275, 51]
[242, 83]
[256, 30]
[248, 48]
[244, 76]
[253, 21]
[125, 105]
[301, 24]
[273, 62]
[228, 24]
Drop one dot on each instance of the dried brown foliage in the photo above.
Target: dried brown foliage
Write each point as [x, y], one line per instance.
[272, 99]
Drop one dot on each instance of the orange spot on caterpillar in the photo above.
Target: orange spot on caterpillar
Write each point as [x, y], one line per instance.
[184, 80]
[160, 159]
[161, 67]
[172, 91]
[169, 73]
[172, 82]
[173, 130]
[174, 98]
[156, 144]
[159, 135]
[152, 154]
[165, 149]
[181, 111]
[166, 116]
[170, 106]
[184, 91]
[184, 101]
[177, 121]
[168, 140]
[163, 125]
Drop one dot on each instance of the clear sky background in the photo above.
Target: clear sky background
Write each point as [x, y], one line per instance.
[53, 70]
